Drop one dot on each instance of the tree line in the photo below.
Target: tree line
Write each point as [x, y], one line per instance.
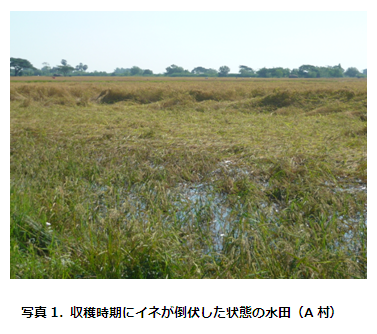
[19, 66]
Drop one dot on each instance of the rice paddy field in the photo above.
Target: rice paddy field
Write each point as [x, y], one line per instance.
[188, 178]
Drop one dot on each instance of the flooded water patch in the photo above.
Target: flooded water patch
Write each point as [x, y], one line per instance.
[199, 208]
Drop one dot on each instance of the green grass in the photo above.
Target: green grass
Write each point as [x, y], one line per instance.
[189, 179]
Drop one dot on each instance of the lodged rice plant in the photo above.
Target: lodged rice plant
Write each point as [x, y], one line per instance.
[173, 178]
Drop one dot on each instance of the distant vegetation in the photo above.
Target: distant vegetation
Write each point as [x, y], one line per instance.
[23, 67]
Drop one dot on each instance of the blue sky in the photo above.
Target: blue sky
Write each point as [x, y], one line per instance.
[156, 40]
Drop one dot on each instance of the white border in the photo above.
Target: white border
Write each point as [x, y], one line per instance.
[352, 299]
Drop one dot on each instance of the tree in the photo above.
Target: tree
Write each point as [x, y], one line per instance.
[246, 71]
[64, 67]
[223, 71]
[246, 68]
[199, 70]
[122, 71]
[46, 69]
[173, 69]
[211, 72]
[136, 70]
[19, 65]
[147, 72]
[336, 71]
[263, 73]
[308, 71]
[278, 73]
[312, 74]
[80, 67]
[339, 67]
[55, 69]
[352, 72]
